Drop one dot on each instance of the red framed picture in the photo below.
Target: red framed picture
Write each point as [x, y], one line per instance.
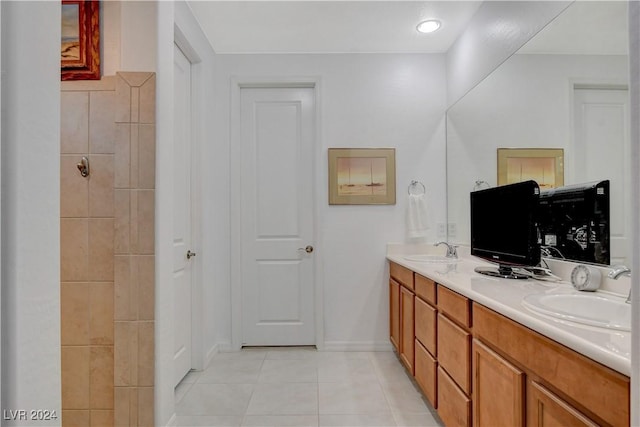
[80, 42]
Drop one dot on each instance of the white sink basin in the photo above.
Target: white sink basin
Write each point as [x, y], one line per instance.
[431, 259]
[588, 309]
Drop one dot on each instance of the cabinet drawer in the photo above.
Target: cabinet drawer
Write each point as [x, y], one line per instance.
[425, 326]
[454, 407]
[455, 305]
[426, 373]
[454, 352]
[404, 276]
[425, 289]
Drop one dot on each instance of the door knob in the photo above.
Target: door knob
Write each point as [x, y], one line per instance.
[308, 249]
[190, 254]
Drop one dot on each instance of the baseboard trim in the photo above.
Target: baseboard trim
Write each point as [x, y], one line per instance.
[210, 355]
[357, 346]
[173, 421]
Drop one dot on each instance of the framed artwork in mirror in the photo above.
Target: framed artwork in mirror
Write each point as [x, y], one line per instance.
[543, 165]
[80, 40]
[362, 176]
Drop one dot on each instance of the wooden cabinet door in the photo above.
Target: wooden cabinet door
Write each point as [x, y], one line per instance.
[498, 390]
[394, 313]
[545, 409]
[407, 327]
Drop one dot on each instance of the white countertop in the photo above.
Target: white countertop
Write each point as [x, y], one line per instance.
[610, 348]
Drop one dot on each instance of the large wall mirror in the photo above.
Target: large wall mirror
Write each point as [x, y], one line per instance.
[566, 89]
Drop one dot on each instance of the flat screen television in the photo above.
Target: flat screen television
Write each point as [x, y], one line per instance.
[504, 228]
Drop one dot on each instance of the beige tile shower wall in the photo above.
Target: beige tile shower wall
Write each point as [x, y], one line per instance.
[87, 253]
[134, 245]
[107, 251]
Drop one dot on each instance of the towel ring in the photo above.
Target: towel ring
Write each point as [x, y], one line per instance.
[415, 184]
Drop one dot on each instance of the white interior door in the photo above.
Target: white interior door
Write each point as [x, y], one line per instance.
[182, 259]
[601, 129]
[277, 136]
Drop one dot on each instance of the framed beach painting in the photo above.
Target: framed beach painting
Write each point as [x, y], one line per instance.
[362, 176]
[543, 165]
[80, 42]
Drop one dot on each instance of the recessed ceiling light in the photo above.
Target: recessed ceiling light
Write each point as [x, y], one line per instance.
[428, 26]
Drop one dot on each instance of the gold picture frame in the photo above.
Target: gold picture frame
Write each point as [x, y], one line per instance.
[543, 165]
[362, 176]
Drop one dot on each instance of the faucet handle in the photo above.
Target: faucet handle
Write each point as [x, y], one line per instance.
[451, 249]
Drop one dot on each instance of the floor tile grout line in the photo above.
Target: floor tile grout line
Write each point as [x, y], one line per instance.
[386, 398]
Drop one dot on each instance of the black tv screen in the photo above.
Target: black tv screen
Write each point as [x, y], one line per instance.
[504, 225]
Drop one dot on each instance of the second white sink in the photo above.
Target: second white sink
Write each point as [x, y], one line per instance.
[586, 308]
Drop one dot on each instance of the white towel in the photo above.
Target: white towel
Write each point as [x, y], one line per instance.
[417, 216]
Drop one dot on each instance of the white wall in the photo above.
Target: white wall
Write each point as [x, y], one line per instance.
[634, 90]
[30, 208]
[366, 100]
[128, 36]
[497, 30]
[211, 219]
[164, 340]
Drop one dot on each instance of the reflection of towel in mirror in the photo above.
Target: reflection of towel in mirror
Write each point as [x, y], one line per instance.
[417, 216]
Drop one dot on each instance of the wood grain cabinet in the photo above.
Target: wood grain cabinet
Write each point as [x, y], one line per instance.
[480, 368]
[584, 392]
[407, 328]
[426, 368]
[402, 313]
[425, 314]
[545, 409]
[454, 357]
[498, 390]
[454, 406]
[394, 313]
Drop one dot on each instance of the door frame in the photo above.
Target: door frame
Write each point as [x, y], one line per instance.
[237, 84]
[198, 81]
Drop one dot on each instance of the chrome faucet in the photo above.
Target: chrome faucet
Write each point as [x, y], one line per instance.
[620, 270]
[451, 249]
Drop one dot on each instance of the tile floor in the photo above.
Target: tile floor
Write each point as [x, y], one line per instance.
[302, 387]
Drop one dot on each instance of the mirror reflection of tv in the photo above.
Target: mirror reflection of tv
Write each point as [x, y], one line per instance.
[504, 228]
[574, 222]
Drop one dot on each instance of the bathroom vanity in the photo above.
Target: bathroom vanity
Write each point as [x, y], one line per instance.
[482, 359]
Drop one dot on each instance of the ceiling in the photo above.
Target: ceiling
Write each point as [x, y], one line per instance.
[330, 26]
[307, 26]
